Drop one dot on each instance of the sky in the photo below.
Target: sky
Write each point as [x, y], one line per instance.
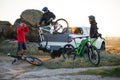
[76, 12]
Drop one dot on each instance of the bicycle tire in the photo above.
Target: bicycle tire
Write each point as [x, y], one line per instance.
[94, 56]
[33, 60]
[66, 22]
[16, 57]
[42, 41]
[68, 51]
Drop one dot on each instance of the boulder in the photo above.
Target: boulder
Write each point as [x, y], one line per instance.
[6, 29]
[31, 17]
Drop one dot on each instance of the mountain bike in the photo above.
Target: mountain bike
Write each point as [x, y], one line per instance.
[56, 27]
[30, 59]
[82, 48]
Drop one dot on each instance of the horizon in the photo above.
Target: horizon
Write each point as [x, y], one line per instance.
[75, 12]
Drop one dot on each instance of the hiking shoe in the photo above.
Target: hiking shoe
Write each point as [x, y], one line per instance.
[14, 61]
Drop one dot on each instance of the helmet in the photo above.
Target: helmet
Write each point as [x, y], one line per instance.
[45, 9]
[91, 17]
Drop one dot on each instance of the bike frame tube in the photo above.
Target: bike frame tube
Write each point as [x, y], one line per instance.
[45, 28]
[93, 41]
[79, 48]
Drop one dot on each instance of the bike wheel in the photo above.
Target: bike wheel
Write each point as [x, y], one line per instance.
[42, 41]
[33, 60]
[94, 56]
[61, 25]
[69, 52]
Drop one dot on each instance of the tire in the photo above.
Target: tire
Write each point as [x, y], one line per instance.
[42, 40]
[94, 56]
[68, 52]
[60, 28]
[33, 60]
[102, 46]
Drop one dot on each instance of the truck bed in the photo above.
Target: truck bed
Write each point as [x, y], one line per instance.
[56, 37]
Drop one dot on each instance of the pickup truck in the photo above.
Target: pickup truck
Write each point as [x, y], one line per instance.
[56, 42]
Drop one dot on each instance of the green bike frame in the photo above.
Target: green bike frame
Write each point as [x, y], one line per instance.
[80, 45]
[93, 41]
[83, 44]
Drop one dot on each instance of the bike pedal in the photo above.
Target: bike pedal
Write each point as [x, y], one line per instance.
[14, 61]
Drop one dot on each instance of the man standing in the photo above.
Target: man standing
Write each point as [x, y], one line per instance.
[21, 30]
[93, 27]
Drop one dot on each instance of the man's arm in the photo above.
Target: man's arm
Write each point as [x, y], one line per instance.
[53, 15]
[26, 29]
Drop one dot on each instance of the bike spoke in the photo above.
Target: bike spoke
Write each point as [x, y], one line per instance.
[94, 56]
[60, 24]
[33, 60]
[68, 52]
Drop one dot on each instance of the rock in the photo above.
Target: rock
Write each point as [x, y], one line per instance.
[31, 17]
[6, 29]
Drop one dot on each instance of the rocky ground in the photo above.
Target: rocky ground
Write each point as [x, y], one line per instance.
[24, 71]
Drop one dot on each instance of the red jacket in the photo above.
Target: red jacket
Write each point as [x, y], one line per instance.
[21, 33]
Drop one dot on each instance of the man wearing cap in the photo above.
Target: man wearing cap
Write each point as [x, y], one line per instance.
[93, 27]
[47, 17]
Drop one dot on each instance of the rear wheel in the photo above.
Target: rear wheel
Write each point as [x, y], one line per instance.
[60, 24]
[94, 56]
[33, 60]
[68, 51]
[102, 46]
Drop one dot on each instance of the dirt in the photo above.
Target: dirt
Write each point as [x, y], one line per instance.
[25, 71]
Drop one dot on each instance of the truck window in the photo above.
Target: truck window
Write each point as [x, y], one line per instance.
[76, 31]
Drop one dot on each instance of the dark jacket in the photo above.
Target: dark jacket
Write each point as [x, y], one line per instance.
[93, 30]
[46, 17]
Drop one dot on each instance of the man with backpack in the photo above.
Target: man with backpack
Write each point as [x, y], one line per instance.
[93, 27]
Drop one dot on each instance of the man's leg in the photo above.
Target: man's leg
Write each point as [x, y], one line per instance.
[19, 49]
[23, 50]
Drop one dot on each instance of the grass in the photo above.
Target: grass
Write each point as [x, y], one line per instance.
[8, 46]
[113, 72]
[60, 62]
[2, 39]
[107, 58]
[113, 45]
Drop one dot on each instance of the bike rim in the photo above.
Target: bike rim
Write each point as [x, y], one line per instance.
[33, 60]
[64, 24]
[94, 56]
